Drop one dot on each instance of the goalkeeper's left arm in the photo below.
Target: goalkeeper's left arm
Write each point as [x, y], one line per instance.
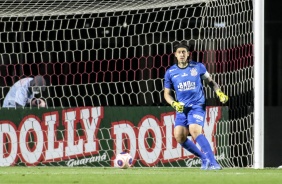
[222, 97]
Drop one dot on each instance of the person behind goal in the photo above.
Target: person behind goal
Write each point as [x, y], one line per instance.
[23, 92]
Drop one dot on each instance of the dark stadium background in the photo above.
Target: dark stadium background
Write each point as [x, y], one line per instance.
[273, 83]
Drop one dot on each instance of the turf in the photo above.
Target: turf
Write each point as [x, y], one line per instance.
[60, 175]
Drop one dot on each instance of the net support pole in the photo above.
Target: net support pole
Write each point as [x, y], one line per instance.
[258, 84]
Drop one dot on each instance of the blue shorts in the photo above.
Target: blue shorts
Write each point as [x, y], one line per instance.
[191, 115]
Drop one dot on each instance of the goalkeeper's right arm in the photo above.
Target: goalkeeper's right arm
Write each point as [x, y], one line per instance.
[178, 106]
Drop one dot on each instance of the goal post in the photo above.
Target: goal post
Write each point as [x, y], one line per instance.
[259, 85]
[115, 53]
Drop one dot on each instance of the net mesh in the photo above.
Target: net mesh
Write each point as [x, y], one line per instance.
[115, 53]
[70, 7]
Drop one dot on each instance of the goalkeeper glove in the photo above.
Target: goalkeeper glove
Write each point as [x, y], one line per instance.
[178, 106]
[222, 97]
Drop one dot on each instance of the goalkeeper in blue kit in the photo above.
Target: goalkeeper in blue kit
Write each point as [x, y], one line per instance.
[185, 78]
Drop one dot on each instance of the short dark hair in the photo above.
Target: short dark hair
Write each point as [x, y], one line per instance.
[182, 44]
[38, 81]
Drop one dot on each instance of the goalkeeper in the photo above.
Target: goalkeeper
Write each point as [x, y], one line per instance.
[185, 78]
[23, 92]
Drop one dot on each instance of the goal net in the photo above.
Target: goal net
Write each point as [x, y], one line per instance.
[115, 53]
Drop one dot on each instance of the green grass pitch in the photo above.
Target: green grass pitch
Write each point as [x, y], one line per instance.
[84, 175]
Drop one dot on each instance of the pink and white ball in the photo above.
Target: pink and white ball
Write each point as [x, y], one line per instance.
[123, 160]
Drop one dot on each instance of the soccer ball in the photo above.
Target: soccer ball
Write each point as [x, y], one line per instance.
[123, 160]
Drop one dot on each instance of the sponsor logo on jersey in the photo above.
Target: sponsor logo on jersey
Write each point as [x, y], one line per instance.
[184, 75]
[185, 86]
[194, 72]
[175, 76]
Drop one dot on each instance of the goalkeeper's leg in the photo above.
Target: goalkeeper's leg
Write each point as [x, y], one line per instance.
[191, 147]
[203, 142]
[180, 133]
[196, 119]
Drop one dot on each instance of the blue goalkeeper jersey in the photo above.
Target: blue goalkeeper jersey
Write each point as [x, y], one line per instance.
[19, 93]
[187, 83]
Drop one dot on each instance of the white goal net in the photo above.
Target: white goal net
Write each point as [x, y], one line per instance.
[115, 53]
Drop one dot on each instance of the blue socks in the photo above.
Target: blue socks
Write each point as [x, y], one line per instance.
[203, 142]
[191, 147]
